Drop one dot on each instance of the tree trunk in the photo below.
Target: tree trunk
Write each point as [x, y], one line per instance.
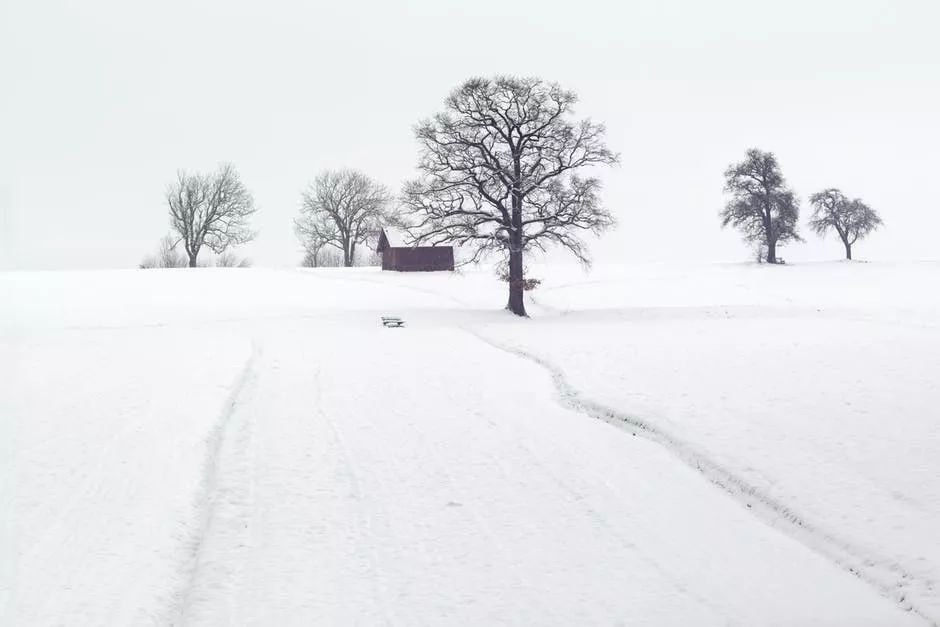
[516, 302]
[192, 261]
[516, 275]
[769, 235]
[772, 252]
[848, 251]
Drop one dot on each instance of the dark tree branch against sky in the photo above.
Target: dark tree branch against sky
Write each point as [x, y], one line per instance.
[500, 172]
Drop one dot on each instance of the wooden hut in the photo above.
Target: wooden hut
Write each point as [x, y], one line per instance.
[397, 256]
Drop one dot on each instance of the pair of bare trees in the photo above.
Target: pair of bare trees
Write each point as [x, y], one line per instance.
[341, 210]
[767, 211]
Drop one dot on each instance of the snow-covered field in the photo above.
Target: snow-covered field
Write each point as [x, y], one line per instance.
[657, 445]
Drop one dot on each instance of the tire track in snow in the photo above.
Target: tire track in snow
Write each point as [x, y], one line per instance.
[362, 522]
[680, 584]
[890, 578]
[207, 500]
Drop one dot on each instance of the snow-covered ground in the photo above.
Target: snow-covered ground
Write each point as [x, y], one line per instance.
[657, 445]
[813, 391]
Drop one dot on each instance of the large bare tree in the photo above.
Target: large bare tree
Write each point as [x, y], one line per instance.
[850, 219]
[210, 210]
[341, 209]
[499, 173]
[762, 207]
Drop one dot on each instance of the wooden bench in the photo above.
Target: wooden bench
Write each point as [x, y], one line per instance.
[390, 321]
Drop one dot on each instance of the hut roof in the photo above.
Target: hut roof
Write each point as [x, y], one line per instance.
[391, 237]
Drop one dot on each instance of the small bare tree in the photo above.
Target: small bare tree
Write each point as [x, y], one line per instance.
[340, 209]
[166, 257]
[313, 251]
[850, 219]
[499, 174]
[762, 207]
[167, 254]
[210, 210]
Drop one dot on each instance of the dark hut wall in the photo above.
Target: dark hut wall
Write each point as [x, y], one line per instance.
[420, 259]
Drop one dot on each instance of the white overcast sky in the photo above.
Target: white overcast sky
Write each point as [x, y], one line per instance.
[102, 101]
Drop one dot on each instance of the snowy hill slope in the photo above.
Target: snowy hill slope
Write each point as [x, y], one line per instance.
[252, 447]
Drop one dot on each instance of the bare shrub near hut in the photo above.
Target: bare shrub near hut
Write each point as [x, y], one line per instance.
[229, 259]
[166, 256]
[528, 283]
